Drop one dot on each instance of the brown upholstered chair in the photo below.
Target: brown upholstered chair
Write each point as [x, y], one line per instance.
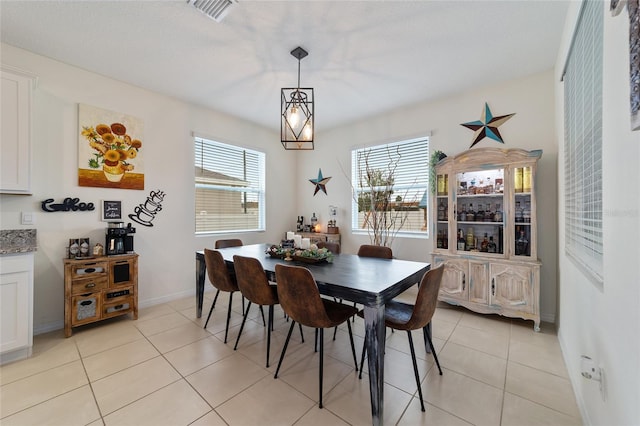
[255, 287]
[300, 299]
[331, 246]
[402, 316]
[382, 252]
[233, 242]
[221, 279]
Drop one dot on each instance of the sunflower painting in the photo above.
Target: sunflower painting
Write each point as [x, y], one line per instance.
[110, 148]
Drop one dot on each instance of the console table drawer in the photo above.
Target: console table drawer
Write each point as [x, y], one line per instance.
[85, 285]
[89, 269]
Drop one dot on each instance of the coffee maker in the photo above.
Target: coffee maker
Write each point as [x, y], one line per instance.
[119, 240]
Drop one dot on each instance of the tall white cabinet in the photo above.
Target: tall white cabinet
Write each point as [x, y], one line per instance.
[485, 225]
[15, 142]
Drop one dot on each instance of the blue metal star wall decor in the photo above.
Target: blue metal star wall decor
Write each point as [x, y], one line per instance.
[320, 182]
[487, 126]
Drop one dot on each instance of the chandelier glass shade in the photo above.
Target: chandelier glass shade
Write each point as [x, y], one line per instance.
[296, 121]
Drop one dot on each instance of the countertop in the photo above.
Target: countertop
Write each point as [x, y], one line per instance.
[18, 241]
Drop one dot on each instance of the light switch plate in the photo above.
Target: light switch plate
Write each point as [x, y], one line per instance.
[27, 218]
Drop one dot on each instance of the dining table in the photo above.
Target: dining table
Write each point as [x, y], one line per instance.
[371, 282]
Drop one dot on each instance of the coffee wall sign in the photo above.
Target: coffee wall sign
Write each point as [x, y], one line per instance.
[69, 204]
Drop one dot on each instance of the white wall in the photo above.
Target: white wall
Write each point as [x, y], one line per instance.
[603, 320]
[167, 260]
[533, 127]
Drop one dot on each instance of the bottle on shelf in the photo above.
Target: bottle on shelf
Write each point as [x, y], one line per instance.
[488, 214]
[439, 242]
[445, 239]
[441, 210]
[471, 215]
[463, 213]
[491, 246]
[497, 216]
[441, 185]
[526, 212]
[480, 213]
[484, 245]
[461, 241]
[522, 244]
[470, 239]
[519, 214]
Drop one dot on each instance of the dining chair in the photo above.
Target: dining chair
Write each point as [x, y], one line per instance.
[382, 252]
[300, 299]
[403, 316]
[232, 242]
[221, 279]
[329, 245]
[255, 287]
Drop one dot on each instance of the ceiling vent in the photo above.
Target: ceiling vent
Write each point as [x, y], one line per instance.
[214, 9]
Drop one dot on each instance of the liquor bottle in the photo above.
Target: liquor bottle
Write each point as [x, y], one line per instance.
[526, 179]
[441, 209]
[522, 245]
[470, 239]
[519, 217]
[497, 217]
[491, 246]
[463, 213]
[480, 213]
[461, 242]
[439, 242]
[488, 214]
[314, 222]
[484, 246]
[526, 212]
[445, 239]
[441, 187]
[471, 215]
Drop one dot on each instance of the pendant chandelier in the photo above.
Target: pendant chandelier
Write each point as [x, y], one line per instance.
[296, 124]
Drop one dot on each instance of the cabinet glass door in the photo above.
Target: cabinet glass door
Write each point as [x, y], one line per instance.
[522, 211]
[442, 211]
[479, 204]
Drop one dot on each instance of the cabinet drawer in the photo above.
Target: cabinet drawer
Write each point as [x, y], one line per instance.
[116, 295]
[86, 308]
[122, 306]
[123, 272]
[88, 269]
[81, 286]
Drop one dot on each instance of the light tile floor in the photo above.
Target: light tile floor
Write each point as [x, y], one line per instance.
[165, 369]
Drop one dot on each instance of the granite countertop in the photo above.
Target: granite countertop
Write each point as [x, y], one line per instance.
[18, 241]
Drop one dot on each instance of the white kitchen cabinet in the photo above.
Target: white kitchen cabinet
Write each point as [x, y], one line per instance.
[16, 306]
[15, 142]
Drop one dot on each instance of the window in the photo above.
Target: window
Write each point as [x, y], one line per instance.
[229, 183]
[390, 189]
[583, 141]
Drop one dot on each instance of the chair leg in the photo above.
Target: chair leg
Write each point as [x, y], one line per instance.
[321, 363]
[433, 350]
[269, 332]
[364, 352]
[210, 312]
[315, 344]
[301, 334]
[353, 347]
[284, 349]
[226, 331]
[262, 312]
[216, 298]
[415, 369]
[244, 319]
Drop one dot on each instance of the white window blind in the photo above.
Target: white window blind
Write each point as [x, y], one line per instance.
[230, 189]
[583, 141]
[408, 162]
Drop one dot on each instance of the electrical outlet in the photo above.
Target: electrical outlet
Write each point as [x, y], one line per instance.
[27, 218]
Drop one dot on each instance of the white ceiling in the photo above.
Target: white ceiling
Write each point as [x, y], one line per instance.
[365, 57]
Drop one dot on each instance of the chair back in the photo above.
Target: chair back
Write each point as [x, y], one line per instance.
[218, 272]
[382, 252]
[332, 247]
[427, 299]
[299, 296]
[234, 242]
[253, 282]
